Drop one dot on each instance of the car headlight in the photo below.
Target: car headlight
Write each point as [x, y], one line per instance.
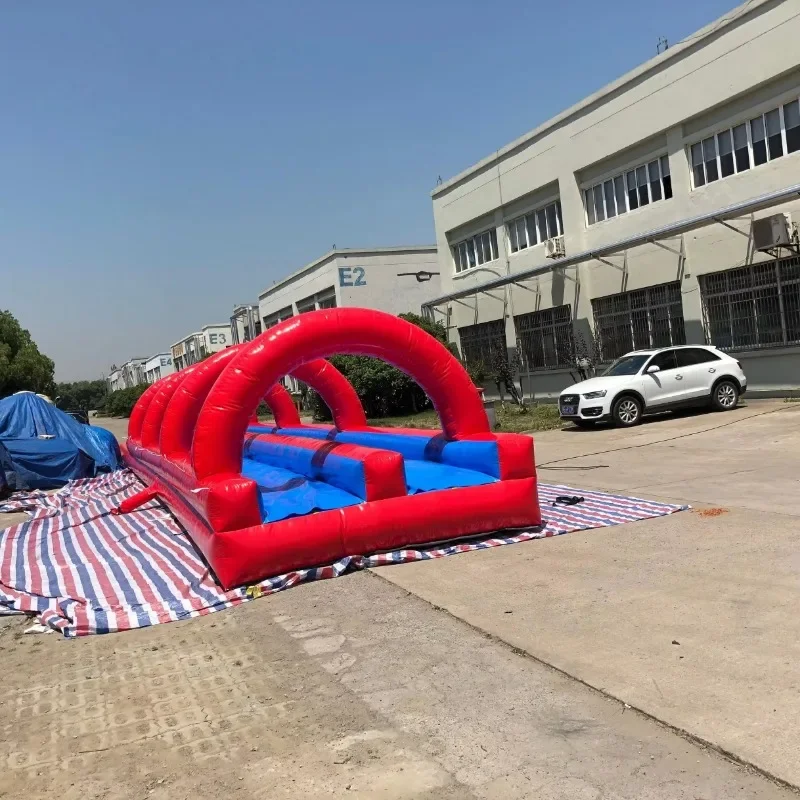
[594, 395]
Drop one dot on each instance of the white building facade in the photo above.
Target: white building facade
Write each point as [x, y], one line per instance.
[197, 346]
[157, 367]
[391, 279]
[596, 212]
[115, 380]
[245, 323]
[131, 373]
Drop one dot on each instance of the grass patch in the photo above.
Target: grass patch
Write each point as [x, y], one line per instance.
[512, 419]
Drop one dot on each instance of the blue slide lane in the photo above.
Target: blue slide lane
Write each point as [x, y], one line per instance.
[285, 494]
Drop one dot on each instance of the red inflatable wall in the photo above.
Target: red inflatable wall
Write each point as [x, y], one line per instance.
[187, 434]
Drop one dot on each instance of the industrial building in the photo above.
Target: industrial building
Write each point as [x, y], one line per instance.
[392, 279]
[157, 367]
[131, 373]
[660, 210]
[197, 346]
[114, 380]
[245, 323]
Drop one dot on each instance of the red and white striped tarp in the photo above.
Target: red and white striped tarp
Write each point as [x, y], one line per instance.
[83, 570]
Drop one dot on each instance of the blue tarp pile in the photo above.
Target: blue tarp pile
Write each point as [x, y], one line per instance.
[71, 449]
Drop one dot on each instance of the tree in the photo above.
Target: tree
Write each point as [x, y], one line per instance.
[503, 371]
[121, 402]
[383, 390]
[86, 395]
[22, 366]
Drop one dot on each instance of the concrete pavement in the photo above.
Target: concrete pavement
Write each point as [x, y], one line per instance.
[365, 687]
[691, 618]
[348, 688]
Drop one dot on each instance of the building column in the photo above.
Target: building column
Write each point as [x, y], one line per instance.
[691, 301]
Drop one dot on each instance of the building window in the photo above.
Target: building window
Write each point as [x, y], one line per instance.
[751, 307]
[545, 338]
[278, 316]
[629, 190]
[651, 317]
[476, 250]
[304, 306]
[479, 342]
[747, 145]
[535, 227]
[323, 299]
[326, 299]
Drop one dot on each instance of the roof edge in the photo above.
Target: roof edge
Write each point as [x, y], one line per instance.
[347, 251]
[671, 53]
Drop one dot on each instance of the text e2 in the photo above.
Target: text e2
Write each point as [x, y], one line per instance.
[352, 276]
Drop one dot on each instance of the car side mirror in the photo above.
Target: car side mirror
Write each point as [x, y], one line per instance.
[653, 368]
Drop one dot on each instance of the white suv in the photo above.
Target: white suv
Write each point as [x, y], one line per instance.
[650, 381]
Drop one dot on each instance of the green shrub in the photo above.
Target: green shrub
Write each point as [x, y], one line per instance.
[384, 391]
[121, 402]
[85, 395]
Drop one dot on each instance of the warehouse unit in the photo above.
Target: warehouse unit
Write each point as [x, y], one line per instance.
[392, 279]
[657, 211]
[157, 367]
[115, 380]
[197, 346]
[245, 324]
[132, 373]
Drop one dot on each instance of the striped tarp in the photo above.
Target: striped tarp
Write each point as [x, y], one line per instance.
[83, 570]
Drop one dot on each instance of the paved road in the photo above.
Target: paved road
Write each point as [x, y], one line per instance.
[414, 682]
[607, 606]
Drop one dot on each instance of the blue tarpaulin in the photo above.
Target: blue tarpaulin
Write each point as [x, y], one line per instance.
[28, 416]
[5, 466]
[45, 463]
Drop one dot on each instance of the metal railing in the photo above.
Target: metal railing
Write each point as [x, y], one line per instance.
[545, 339]
[753, 307]
[479, 342]
[639, 320]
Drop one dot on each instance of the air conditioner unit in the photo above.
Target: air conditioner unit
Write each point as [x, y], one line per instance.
[554, 248]
[773, 231]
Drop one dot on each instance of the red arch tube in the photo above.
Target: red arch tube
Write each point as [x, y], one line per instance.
[282, 406]
[151, 427]
[180, 417]
[223, 419]
[337, 392]
[183, 404]
[139, 411]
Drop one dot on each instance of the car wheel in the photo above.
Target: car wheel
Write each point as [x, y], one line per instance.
[627, 412]
[725, 396]
[584, 423]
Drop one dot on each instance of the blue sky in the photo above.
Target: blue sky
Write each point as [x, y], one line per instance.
[165, 159]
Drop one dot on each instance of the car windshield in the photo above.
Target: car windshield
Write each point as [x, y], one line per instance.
[627, 365]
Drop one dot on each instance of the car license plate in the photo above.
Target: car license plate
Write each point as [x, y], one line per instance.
[568, 410]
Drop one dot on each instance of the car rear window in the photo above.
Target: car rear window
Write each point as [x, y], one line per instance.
[689, 356]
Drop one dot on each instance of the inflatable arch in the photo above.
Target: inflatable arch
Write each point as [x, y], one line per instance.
[262, 500]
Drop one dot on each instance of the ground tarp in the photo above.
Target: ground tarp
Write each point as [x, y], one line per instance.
[86, 571]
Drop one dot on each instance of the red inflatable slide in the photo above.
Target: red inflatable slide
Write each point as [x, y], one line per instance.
[259, 501]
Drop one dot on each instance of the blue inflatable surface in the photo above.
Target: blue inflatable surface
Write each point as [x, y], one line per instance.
[27, 416]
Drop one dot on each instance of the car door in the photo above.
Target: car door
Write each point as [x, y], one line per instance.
[662, 387]
[699, 368]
